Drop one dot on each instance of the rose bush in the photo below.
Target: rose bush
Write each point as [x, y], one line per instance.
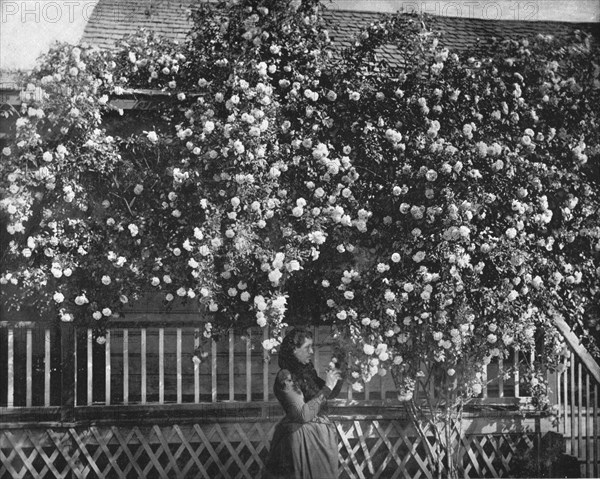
[479, 173]
[440, 210]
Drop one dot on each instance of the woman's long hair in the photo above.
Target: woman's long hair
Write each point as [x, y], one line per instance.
[304, 375]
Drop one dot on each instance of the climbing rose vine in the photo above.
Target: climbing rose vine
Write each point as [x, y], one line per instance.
[440, 209]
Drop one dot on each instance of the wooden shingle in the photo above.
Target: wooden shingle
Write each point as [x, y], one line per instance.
[113, 19]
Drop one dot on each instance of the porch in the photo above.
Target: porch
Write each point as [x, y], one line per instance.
[139, 406]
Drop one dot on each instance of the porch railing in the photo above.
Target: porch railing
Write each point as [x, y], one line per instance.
[577, 385]
[61, 376]
[144, 363]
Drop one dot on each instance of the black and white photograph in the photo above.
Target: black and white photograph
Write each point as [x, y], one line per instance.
[299, 239]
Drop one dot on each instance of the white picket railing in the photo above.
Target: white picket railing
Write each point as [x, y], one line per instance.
[577, 386]
[150, 363]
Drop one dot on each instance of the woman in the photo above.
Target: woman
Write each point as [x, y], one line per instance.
[304, 444]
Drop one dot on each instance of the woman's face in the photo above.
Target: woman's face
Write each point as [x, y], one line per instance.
[304, 353]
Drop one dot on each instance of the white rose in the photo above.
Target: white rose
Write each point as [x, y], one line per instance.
[293, 265]
[275, 276]
[81, 300]
[262, 321]
[368, 349]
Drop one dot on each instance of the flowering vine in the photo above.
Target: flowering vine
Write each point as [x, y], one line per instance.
[440, 211]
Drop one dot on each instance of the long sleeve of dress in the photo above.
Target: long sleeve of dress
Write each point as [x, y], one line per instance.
[336, 389]
[299, 411]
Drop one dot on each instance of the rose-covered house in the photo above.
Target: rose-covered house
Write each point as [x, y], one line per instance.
[136, 404]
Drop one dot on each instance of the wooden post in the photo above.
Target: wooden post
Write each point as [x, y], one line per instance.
[552, 390]
[143, 364]
[580, 444]
[484, 380]
[348, 361]
[125, 366]
[588, 428]
[196, 367]
[67, 372]
[47, 368]
[28, 368]
[265, 367]
[573, 440]
[517, 377]
[538, 441]
[558, 396]
[178, 365]
[107, 369]
[249, 366]
[596, 435]
[161, 365]
[10, 399]
[501, 377]
[213, 370]
[565, 401]
[90, 366]
[231, 365]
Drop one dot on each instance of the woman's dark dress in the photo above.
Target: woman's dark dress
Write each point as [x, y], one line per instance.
[305, 443]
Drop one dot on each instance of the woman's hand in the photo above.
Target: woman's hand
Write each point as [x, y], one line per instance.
[332, 377]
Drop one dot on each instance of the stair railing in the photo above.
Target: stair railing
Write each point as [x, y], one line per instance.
[577, 387]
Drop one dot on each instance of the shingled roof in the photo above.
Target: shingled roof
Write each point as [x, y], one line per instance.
[112, 19]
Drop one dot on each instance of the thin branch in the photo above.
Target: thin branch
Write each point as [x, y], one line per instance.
[370, 171]
[414, 411]
[124, 201]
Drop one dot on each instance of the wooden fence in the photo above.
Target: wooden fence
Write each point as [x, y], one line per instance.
[138, 405]
[371, 446]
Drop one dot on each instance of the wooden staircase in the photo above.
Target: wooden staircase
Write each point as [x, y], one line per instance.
[576, 387]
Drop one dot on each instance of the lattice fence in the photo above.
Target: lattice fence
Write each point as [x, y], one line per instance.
[368, 449]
